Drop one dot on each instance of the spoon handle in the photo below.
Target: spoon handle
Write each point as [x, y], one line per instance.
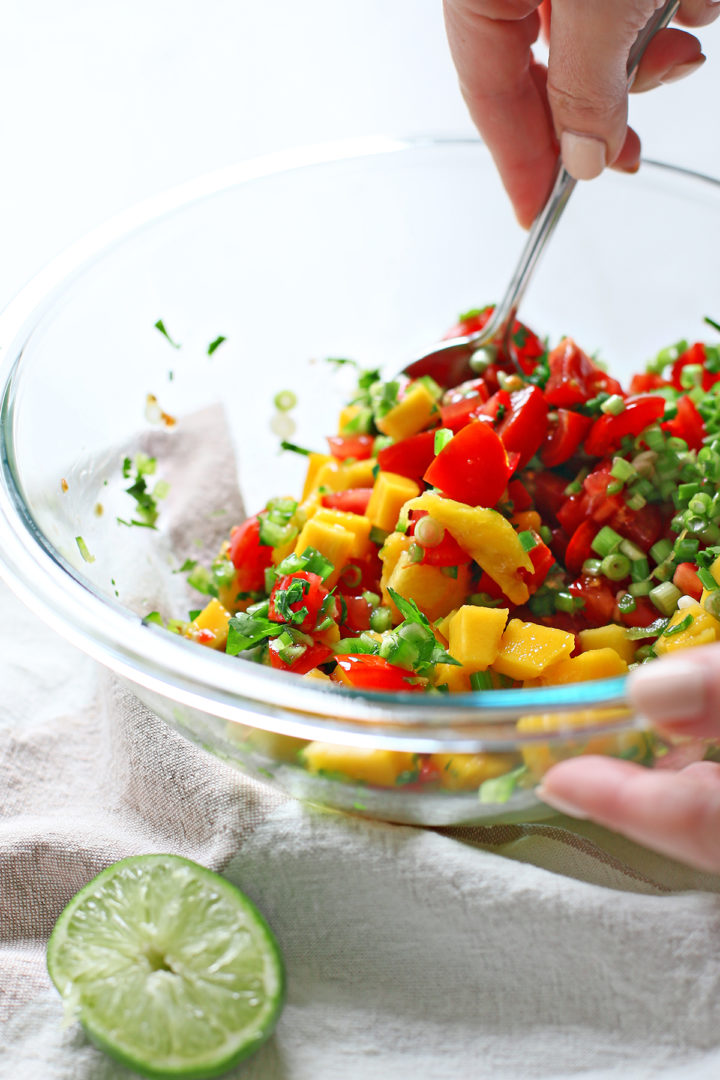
[544, 224]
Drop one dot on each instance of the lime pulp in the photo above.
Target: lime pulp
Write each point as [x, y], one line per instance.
[169, 967]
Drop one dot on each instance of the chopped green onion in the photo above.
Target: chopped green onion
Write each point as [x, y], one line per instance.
[378, 535]
[640, 588]
[707, 579]
[592, 567]
[215, 344]
[443, 436]
[285, 400]
[83, 549]
[665, 597]
[626, 603]
[678, 627]
[565, 601]
[295, 449]
[639, 569]
[481, 680]
[660, 551]
[615, 566]
[685, 549]
[160, 325]
[415, 553]
[615, 487]
[606, 541]
[380, 619]
[622, 469]
[546, 534]
[613, 406]
[527, 540]
[636, 501]
[632, 551]
[711, 603]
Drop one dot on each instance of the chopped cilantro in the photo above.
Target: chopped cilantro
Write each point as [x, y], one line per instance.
[215, 344]
[245, 630]
[160, 325]
[83, 548]
[310, 560]
[413, 644]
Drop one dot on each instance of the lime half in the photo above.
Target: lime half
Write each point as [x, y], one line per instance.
[169, 967]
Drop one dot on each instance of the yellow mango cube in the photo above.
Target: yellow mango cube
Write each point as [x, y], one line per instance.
[487, 537]
[357, 524]
[210, 627]
[474, 635]
[333, 541]
[703, 630]
[412, 414]
[539, 757]
[315, 464]
[389, 495]
[609, 637]
[465, 772]
[339, 475]
[347, 415]
[527, 649]
[593, 664]
[434, 592]
[457, 679]
[381, 768]
[527, 519]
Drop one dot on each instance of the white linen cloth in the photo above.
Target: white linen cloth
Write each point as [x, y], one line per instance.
[514, 952]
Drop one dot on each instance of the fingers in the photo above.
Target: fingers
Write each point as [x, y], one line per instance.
[698, 12]
[491, 43]
[676, 814]
[681, 693]
[672, 54]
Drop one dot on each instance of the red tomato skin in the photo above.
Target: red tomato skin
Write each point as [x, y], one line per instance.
[542, 559]
[579, 546]
[571, 375]
[473, 467]
[686, 580]
[644, 614]
[608, 431]
[409, 457]
[343, 447]
[519, 496]
[358, 610]
[351, 500]
[548, 491]
[696, 354]
[312, 598]
[470, 389]
[367, 672]
[313, 656]
[564, 437]
[599, 599]
[523, 427]
[459, 413]
[572, 513]
[687, 424]
[646, 382]
[249, 557]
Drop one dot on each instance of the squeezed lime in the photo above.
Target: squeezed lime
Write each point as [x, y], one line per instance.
[169, 967]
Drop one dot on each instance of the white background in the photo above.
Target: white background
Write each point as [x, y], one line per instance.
[104, 102]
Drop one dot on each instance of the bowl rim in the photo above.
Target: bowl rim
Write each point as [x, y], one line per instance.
[155, 661]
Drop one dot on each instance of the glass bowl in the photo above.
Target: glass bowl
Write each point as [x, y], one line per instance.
[365, 249]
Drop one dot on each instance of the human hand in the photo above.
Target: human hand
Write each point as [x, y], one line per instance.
[674, 812]
[528, 114]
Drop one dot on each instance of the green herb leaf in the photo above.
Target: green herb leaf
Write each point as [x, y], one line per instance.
[245, 631]
[160, 325]
[215, 344]
[83, 549]
[501, 788]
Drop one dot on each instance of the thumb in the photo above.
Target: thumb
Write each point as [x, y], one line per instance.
[587, 78]
[680, 693]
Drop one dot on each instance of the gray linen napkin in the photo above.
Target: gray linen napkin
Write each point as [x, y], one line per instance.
[542, 951]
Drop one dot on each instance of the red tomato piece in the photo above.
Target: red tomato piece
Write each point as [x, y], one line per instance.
[471, 388]
[572, 375]
[366, 672]
[343, 447]
[542, 559]
[249, 557]
[548, 491]
[643, 526]
[572, 513]
[352, 500]
[311, 594]
[524, 424]
[409, 457]
[686, 580]
[644, 614]
[696, 354]
[447, 553]
[564, 437]
[580, 546]
[519, 496]
[646, 382]
[473, 467]
[687, 424]
[456, 414]
[608, 431]
[313, 656]
[599, 599]
[357, 613]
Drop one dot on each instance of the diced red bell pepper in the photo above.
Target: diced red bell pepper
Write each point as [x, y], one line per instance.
[363, 671]
[564, 437]
[313, 656]
[249, 557]
[351, 500]
[473, 467]
[313, 595]
[580, 546]
[343, 447]
[646, 382]
[409, 457]
[542, 559]
[687, 424]
[519, 496]
[687, 581]
[608, 431]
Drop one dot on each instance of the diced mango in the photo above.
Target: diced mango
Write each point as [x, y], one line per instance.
[465, 772]
[338, 475]
[487, 537]
[594, 664]
[315, 464]
[434, 592]
[347, 414]
[474, 635]
[703, 630]
[381, 768]
[609, 637]
[357, 524]
[389, 495]
[412, 414]
[210, 627]
[443, 627]
[457, 679]
[539, 757]
[316, 675]
[527, 519]
[527, 649]
[333, 541]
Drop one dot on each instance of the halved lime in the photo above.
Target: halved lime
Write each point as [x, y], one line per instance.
[170, 968]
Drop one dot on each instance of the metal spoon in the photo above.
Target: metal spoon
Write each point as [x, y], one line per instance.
[450, 362]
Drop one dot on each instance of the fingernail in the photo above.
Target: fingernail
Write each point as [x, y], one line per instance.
[583, 156]
[563, 806]
[631, 168]
[680, 71]
[672, 690]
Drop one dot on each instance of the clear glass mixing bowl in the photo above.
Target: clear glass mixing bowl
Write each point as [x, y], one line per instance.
[366, 249]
